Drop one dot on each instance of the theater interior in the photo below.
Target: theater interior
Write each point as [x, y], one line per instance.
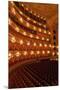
[33, 44]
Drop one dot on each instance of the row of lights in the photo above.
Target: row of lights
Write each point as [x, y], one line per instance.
[17, 54]
[27, 24]
[40, 30]
[24, 33]
[34, 13]
[13, 40]
[30, 35]
[14, 12]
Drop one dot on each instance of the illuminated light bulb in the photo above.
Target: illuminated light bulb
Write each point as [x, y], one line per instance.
[27, 24]
[43, 52]
[31, 35]
[17, 29]
[53, 53]
[24, 33]
[25, 53]
[12, 2]
[42, 38]
[21, 20]
[9, 55]
[44, 31]
[28, 43]
[21, 12]
[13, 40]
[38, 52]
[22, 5]
[41, 17]
[13, 11]
[39, 30]
[37, 37]
[18, 54]
[40, 44]
[49, 33]
[34, 44]
[45, 45]
[47, 39]
[28, 18]
[34, 28]
[34, 21]
[48, 51]
[38, 16]
[50, 45]
[21, 42]
[9, 21]
[40, 24]
[44, 18]
[44, 26]
[27, 9]
[32, 52]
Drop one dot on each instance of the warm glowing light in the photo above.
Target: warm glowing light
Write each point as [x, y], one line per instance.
[40, 44]
[53, 46]
[38, 16]
[53, 53]
[47, 39]
[34, 44]
[44, 26]
[40, 24]
[41, 17]
[22, 5]
[25, 53]
[17, 29]
[45, 45]
[9, 55]
[50, 45]
[20, 12]
[21, 42]
[44, 31]
[28, 18]
[32, 52]
[17, 54]
[48, 51]
[37, 37]
[27, 9]
[24, 33]
[43, 52]
[44, 18]
[39, 30]
[12, 2]
[34, 21]
[38, 52]
[42, 38]
[13, 11]
[31, 35]
[13, 40]
[28, 43]
[49, 33]
[34, 28]
[21, 20]
[27, 24]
